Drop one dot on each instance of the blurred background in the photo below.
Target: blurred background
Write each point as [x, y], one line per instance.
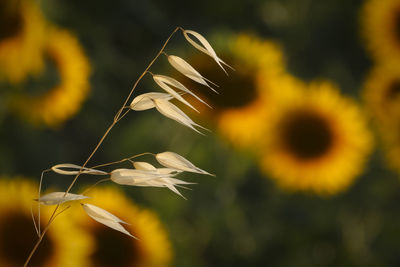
[304, 141]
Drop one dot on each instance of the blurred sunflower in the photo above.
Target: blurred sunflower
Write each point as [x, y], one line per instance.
[391, 143]
[63, 244]
[54, 104]
[242, 96]
[111, 248]
[22, 39]
[316, 140]
[245, 126]
[381, 28]
[382, 99]
[382, 92]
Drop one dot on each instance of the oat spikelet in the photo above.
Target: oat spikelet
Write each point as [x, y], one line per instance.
[59, 168]
[186, 69]
[102, 216]
[56, 198]
[171, 111]
[205, 47]
[175, 161]
[145, 101]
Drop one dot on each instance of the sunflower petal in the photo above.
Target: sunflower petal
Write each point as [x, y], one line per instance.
[59, 169]
[102, 216]
[56, 198]
[186, 69]
[175, 161]
[171, 111]
[205, 47]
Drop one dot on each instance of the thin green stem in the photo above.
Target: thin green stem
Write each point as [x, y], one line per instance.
[116, 119]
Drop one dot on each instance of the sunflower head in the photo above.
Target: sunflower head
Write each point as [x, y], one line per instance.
[245, 127]
[316, 140]
[245, 95]
[382, 98]
[63, 245]
[62, 100]
[111, 248]
[10, 19]
[382, 92]
[381, 28]
[306, 134]
[22, 38]
[249, 55]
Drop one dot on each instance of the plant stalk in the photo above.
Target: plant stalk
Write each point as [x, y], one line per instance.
[116, 119]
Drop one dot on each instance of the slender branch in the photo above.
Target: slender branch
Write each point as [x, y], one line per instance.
[40, 189]
[34, 222]
[116, 119]
[148, 67]
[123, 115]
[92, 186]
[122, 160]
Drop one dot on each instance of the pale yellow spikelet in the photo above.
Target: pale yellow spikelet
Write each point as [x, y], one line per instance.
[171, 111]
[56, 198]
[175, 161]
[104, 217]
[145, 101]
[205, 47]
[59, 168]
[186, 69]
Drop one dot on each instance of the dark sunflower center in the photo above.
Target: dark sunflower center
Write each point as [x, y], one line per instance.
[42, 83]
[17, 237]
[235, 91]
[306, 135]
[114, 249]
[10, 18]
[393, 90]
[397, 24]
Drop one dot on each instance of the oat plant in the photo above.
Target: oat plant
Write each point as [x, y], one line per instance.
[142, 173]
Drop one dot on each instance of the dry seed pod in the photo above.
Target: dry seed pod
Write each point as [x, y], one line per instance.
[145, 101]
[56, 198]
[175, 161]
[102, 216]
[171, 111]
[159, 79]
[59, 169]
[133, 177]
[166, 81]
[139, 165]
[205, 47]
[145, 166]
[186, 69]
